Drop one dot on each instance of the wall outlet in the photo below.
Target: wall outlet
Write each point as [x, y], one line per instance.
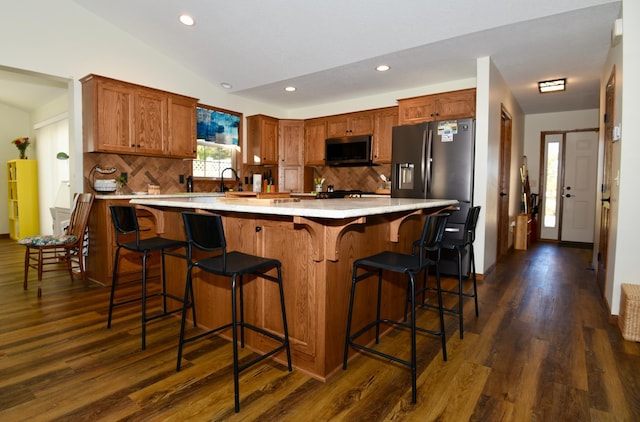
[181, 178]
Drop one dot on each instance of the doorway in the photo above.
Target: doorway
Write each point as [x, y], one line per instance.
[569, 177]
[607, 181]
[504, 168]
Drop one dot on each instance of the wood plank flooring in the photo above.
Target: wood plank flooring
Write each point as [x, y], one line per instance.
[541, 350]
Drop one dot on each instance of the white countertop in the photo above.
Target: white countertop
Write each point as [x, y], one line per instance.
[163, 195]
[318, 208]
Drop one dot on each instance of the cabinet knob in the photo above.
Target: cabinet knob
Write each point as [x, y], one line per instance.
[258, 229]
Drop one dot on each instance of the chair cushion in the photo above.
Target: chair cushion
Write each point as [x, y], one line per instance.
[47, 240]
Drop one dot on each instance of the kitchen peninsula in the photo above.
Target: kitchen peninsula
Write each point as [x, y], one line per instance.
[317, 242]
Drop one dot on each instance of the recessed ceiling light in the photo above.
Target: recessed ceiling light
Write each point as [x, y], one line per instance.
[226, 85]
[552, 85]
[382, 68]
[187, 20]
[290, 88]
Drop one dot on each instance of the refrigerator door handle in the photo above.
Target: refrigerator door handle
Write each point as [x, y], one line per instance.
[427, 162]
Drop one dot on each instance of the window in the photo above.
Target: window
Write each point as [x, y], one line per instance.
[219, 133]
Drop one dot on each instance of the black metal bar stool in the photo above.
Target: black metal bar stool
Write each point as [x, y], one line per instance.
[462, 243]
[125, 222]
[430, 240]
[206, 233]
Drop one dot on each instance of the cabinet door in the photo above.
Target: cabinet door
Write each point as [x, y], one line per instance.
[291, 142]
[385, 120]
[456, 105]
[262, 140]
[350, 124]
[291, 178]
[151, 135]
[114, 120]
[416, 110]
[337, 126]
[182, 127]
[315, 134]
[361, 123]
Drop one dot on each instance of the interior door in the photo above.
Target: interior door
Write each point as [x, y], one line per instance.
[579, 187]
[504, 167]
[607, 180]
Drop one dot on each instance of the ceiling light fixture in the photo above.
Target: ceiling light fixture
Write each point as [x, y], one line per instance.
[552, 85]
[226, 85]
[382, 68]
[290, 88]
[187, 20]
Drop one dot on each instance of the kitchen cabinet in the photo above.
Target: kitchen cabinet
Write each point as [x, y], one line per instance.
[291, 147]
[360, 123]
[445, 106]
[384, 119]
[182, 126]
[315, 134]
[22, 200]
[262, 140]
[125, 118]
[102, 246]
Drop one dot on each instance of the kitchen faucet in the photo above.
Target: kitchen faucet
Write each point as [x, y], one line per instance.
[222, 188]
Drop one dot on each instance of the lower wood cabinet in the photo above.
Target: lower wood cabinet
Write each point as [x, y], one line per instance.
[102, 246]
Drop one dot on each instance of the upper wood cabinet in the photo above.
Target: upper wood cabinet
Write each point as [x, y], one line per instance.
[315, 134]
[385, 119]
[125, 118]
[360, 123]
[182, 126]
[291, 142]
[445, 106]
[262, 140]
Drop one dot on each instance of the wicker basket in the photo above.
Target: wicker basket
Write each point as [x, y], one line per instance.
[629, 318]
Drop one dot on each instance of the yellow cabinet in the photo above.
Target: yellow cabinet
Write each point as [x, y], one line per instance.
[22, 178]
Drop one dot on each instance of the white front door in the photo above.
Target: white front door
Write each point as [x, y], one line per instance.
[579, 187]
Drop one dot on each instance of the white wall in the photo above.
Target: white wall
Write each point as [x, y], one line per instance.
[14, 123]
[623, 262]
[492, 94]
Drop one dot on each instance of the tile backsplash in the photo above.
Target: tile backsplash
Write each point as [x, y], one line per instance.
[141, 171]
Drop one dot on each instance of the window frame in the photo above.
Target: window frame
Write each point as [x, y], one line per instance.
[236, 152]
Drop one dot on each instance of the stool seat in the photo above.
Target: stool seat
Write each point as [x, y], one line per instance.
[205, 233]
[125, 222]
[461, 243]
[427, 254]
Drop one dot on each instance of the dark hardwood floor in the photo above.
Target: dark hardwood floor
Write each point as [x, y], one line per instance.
[541, 350]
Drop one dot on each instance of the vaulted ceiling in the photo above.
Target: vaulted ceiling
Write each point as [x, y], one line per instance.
[328, 50]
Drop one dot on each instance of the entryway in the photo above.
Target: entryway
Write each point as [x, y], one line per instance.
[569, 185]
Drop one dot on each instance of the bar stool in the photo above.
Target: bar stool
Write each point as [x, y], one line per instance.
[125, 222]
[459, 242]
[206, 233]
[430, 241]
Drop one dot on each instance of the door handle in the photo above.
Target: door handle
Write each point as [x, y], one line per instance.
[568, 195]
[503, 194]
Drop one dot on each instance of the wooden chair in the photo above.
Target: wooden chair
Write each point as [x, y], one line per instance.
[51, 250]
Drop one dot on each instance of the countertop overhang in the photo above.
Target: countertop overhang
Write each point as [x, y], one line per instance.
[325, 208]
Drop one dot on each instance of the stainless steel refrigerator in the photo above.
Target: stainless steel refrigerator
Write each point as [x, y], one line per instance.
[436, 160]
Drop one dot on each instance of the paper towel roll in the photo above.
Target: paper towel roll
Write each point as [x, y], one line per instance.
[257, 182]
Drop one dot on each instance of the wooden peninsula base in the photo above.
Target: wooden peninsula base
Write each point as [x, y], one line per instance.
[317, 255]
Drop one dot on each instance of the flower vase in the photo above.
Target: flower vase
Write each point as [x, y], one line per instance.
[23, 154]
